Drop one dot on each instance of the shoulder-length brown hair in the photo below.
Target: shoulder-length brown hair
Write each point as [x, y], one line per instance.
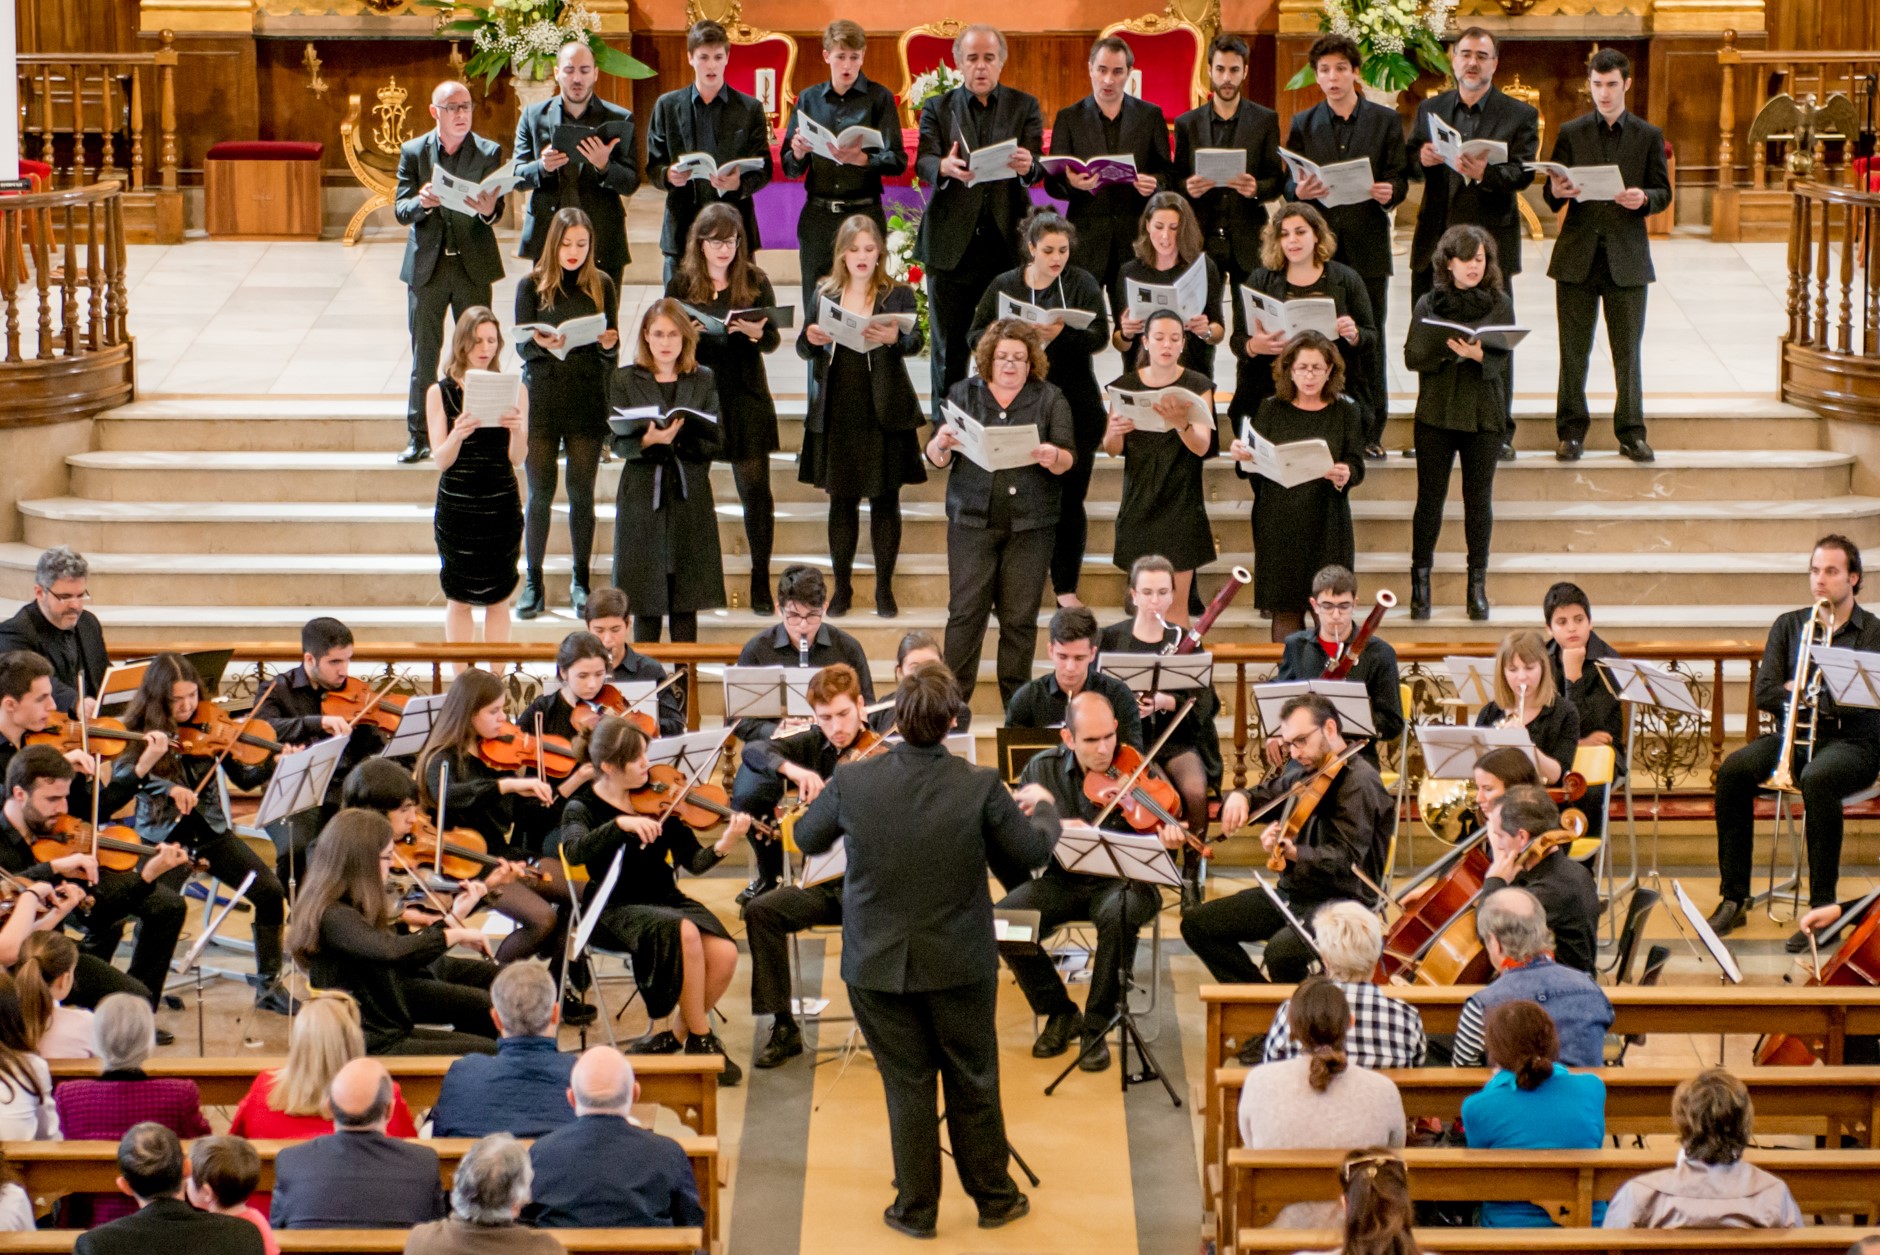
[1312, 341]
[837, 280]
[1010, 329]
[692, 281]
[1530, 646]
[547, 273]
[454, 730]
[149, 707]
[673, 312]
[464, 339]
[1464, 242]
[1188, 243]
[1274, 258]
[344, 868]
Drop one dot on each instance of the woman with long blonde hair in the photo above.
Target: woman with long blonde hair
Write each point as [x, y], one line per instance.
[290, 1101]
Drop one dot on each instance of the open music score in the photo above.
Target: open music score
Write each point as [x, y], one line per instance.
[1474, 679]
[1349, 698]
[1451, 752]
[1161, 673]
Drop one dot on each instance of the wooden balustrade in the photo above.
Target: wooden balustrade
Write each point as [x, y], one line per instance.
[1831, 350]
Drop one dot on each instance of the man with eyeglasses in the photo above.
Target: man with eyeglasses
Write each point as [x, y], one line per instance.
[1348, 832]
[1310, 651]
[56, 625]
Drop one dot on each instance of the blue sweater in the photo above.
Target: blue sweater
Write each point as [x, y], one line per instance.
[1567, 1112]
[521, 1089]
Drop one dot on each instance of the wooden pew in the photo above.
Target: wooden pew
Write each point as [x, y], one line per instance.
[1814, 1240]
[688, 1084]
[45, 1169]
[392, 1241]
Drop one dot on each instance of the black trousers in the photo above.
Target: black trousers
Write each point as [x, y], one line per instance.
[455, 992]
[94, 980]
[1377, 287]
[1118, 908]
[994, 571]
[1438, 448]
[816, 229]
[1835, 769]
[769, 921]
[952, 1036]
[952, 297]
[159, 913]
[1216, 930]
[1577, 306]
[1073, 527]
[451, 290]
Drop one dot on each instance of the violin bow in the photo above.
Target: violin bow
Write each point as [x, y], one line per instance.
[366, 709]
[429, 896]
[1129, 781]
[209, 775]
[664, 684]
[1300, 786]
[443, 791]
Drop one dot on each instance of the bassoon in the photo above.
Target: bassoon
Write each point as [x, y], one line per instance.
[1237, 579]
[1339, 667]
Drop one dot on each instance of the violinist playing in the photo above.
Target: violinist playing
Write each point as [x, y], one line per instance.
[607, 619]
[28, 706]
[1350, 824]
[178, 801]
[1119, 908]
[581, 664]
[1522, 825]
[806, 760]
[1310, 651]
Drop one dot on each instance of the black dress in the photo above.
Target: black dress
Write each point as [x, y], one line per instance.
[1344, 287]
[747, 414]
[850, 453]
[1197, 353]
[566, 398]
[666, 553]
[478, 521]
[1164, 510]
[1298, 531]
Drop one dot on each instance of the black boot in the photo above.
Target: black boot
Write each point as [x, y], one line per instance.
[578, 595]
[844, 596]
[762, 601]
[1478, 594]
[270, 993]
[533, 599]
[1419, 592]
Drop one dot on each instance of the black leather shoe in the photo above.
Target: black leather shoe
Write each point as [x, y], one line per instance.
[576, 1013]
[786, 1043]
[1569, 450]
[416, 451]
[1252, 1052]
[165, 1037]
[533, 600]
[1374, 452]
[578, 600]
[708, 1044]
[1419, 592]
[1638, 450]
[1507, 451]
[886, 607]
[757, 888]
[761, 597]
[893, 1220]
[272, 997]
[1797, 942]
[1730, 915]
[1018, 1209]
[1478, 594]
[1056, 1038]
[660, 1043]
[1096, 1055]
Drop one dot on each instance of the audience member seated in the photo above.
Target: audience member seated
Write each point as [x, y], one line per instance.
[357, 1177]
[523, 1087]
[1514, 928]
[1384, 1033]
[27, 1112]
[16, 1210]
[290, 1102]
[486, 1198]
[151, 1174]
[1317, 1098]
[46, 971]
[649, 1182]
[1710, 1187]
[1378, 1212]
[124, 1032]
[223, 1173]
[1531, 1103]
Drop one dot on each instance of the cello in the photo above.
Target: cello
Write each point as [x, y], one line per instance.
[1855, 962]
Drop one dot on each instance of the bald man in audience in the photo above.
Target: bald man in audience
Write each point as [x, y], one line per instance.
[648, 1183]
[356, 1177]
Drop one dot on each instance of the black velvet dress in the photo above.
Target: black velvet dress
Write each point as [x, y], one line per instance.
[1164, 509]
[478, 521]
[1299, 531]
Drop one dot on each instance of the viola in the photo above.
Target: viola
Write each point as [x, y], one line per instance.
[1305, 805]
[214, 733]
[588, 713]
[867, 742]
[119, 848]
[358, 703]
[1856, 962]
[1151, 801]
[698, 806]
[106, 738]
[512, 749]
[466, 854]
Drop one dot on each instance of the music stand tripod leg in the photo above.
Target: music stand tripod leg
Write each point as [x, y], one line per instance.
[1123, 1021]
[1009, 1149]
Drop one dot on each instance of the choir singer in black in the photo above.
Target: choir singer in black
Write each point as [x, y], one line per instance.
[1233, 214]
[593, 177]
[922, 829]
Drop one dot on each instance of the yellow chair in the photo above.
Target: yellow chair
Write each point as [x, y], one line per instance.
[373, 158]
[1594, 764]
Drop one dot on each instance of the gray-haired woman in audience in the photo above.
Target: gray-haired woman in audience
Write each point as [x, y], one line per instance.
[1710, 1187]
[489, 1192]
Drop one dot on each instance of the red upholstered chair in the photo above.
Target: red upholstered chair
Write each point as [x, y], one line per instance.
[921, 49]
[1171, 61]
[762, 64]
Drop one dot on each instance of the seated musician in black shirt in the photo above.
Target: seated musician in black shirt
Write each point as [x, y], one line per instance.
[1576, 650]
[1565, 889]
[1350, 826]
[1526, 696]
[806, 760]
[607, 619]
[1041, 702]
[1309, 653]
[916, 650]
[56, 626]
[27, 704]
[1119, 908]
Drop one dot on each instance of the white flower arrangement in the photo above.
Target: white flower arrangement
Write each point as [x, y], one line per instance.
[938, 81]
[1396, 36]
[525, 36]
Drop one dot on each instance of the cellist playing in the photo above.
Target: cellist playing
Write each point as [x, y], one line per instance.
[1351, 824]
[1523, 824]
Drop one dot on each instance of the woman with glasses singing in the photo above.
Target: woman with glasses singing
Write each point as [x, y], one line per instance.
[1300, 528]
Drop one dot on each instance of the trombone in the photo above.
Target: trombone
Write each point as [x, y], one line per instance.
[1798, 741]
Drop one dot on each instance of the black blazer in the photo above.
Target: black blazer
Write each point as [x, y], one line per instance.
[742, 132]
[1450, 200]
[897, 408]
[1363, 230]
[946, 228]
[598, 192]
[923, 828]
[1072, 354]
[1590, 225]
[424, 244]
[170, 1224]
[647, 1182]
[356, 1180]
[1111, 210]
[1232, 223]
[28, 629]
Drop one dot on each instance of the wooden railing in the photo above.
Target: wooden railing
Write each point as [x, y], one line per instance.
[1831, 349]
[1799, 74]
[62, 272]
[87, 114]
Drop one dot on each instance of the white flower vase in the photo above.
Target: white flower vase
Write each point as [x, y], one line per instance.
[529, 91]
[1381, 96]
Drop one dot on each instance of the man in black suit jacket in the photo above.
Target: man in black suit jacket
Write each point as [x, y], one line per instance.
[356, 1177]
[1604, 255]
[1109, 122]
[56, 626]
[968, 232]
[151, 1170]
[451, 259]
[593, 178]
[921, 829]
[1344, 127]
[1232, 215]
[713, 118]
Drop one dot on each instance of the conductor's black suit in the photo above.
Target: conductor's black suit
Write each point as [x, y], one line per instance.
[922, 828]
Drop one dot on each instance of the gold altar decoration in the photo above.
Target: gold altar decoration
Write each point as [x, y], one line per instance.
[311, 59]
[1560, 18]
[1802, 126]
[304, 16]
[374, 160]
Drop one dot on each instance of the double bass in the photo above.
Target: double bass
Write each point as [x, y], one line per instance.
[1856, 962]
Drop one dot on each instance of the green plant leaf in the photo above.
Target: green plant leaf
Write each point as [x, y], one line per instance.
[610, 60]
[1306, 77]
[1389, 72]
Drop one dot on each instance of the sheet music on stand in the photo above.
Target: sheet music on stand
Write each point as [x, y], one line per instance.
[689, 749]
[1119, 855]
[767, 692]
[1161, 673]
[414, 726]
[1349, 698]
[1712, 942]
[124, 678]
[194, 956]
[597, 903]
[831, 864]
[1648, 684]
[1852, 675]
[1451, 752]
[1474, 678]
[300, 781]
[1286, 911]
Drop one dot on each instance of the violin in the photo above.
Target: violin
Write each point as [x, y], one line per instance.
[106, 738]
[512, 749]
[357, 703]
[214, 733]
[1306, 801]
[698, 806]
[119, 848]
[867, 742]
[1151, 801]
[466, 854]
[1856, 962]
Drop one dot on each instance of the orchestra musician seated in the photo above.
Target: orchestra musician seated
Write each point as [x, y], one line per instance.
[1529, 849]
[1526, 696]
[56, 625]
[607, 619]
[522, 1088]
[1041, 702]
[1385, 1032]
[916, 649]
[1513, 927]
[1311, 650]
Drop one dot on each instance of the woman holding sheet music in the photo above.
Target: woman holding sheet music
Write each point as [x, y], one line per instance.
[569, 388]
[666, 555]
[716, 276]
[1168, 244]
[1462, 407]
[859, 438]
[1525, 696]
[1299, 530]
[1164, 510]
[1001, 524]
[1048, 281]
[478, 521]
